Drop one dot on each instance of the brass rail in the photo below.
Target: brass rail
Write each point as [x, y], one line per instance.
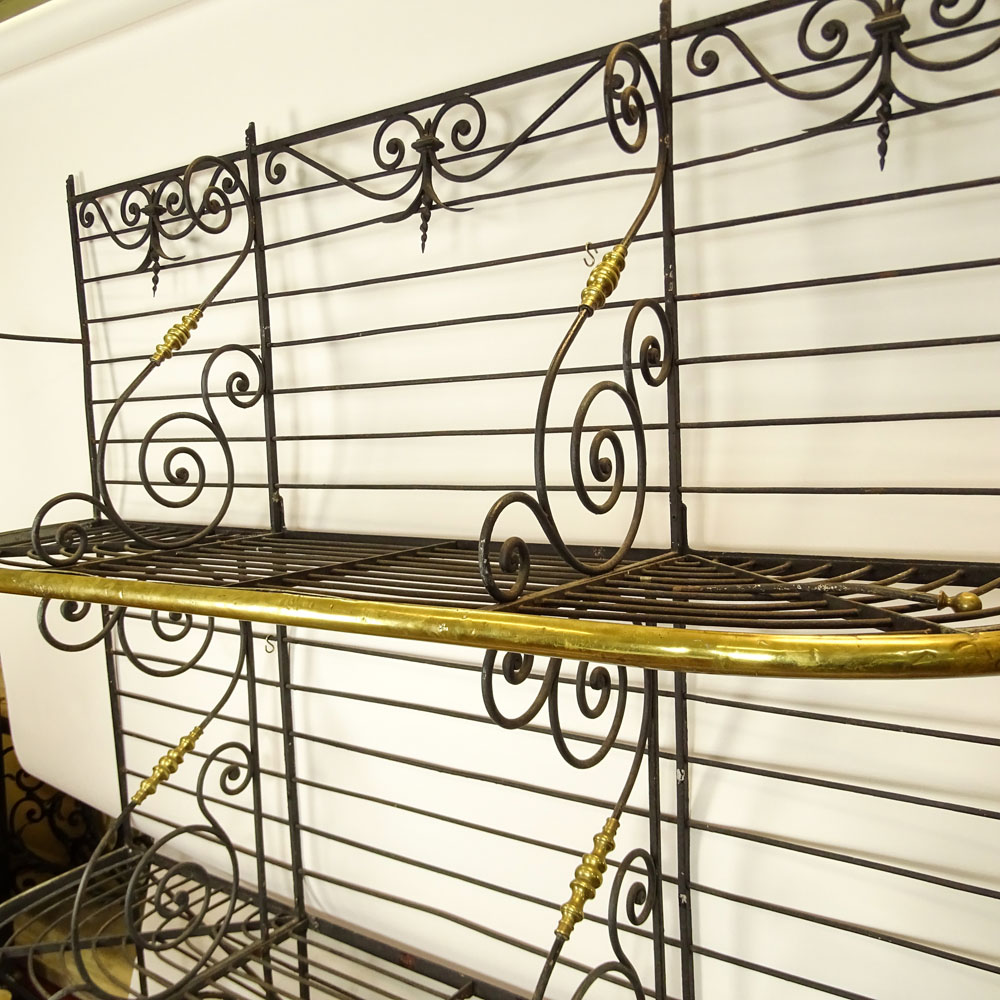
[949, 654]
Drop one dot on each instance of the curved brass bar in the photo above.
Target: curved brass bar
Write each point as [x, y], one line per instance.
[889, 655]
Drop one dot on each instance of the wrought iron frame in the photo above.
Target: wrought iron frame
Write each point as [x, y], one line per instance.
[680, 587]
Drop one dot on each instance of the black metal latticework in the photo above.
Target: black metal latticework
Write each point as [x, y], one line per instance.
[42, 831]
[243, 923]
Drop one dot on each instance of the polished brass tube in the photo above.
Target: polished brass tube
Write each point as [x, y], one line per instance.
[948, 654]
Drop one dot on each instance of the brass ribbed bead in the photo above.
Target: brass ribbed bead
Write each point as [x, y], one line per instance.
[587, 879]
[604, 278]
[166, 766]
[176, 337]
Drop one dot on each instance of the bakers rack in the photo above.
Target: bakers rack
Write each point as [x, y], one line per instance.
[188, 924]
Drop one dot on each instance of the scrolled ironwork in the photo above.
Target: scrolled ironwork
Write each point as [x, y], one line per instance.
[70, 540]
[211, 210]
[175, 895]
[654, 363]
[639, 902]
[653, 352]
[161, 212]
[67, 821]
[455, 130]
[162, 891]
[183, 467]
[595, 678]
[46, 830]
[389, 151]
[943, 20]
[515, 669]
[623, 98]
[76, 611]
[948, 22]
[185, 624]
[642, 898]
[886, 24]
[465, 136]
[626, 69]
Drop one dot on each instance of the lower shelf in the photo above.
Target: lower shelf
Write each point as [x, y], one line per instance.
[759, 614]
[200, 937]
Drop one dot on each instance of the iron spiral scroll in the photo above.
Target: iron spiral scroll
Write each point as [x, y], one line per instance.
[159, 213]
[640, 899]
[183, 467]
[168, 903]
[642, 896]
[823, 36]
[626, 71]
[455, 131]
[389, 151]
[515, 669]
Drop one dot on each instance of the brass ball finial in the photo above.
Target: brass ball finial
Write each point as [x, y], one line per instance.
[960, 603]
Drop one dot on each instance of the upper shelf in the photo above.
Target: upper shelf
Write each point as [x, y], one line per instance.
[762, 615]
[679, 610]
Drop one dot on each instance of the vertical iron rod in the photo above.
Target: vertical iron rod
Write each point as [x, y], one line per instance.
[116, 721]
[81, 308]
[125, 829]
[253, 738]
[291, 791]
[650, 681]
[6, 840]
[276, 511]
[275, 503]
[88, 408]
[678, 512]
[683, 813]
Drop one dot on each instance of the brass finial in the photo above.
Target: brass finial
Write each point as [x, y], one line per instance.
[166, 766]
[587, 879]
[604, 278]
[176, 337]
[960, 602]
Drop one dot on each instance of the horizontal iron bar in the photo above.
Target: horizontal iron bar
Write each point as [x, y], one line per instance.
[836, 206]
[818, 352]
[486, 930]
[826, 65]
[443, 323]
[848, 928]
[737, 16]
[413, 107]
[847, 787]
[844, 720]
[840, 279]
[160, 175]
[756, 654]
[788, 977]
[189, 352]
[31, 338]
[849, 418]
[809, 135]
[916, 491]
[840, 858]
